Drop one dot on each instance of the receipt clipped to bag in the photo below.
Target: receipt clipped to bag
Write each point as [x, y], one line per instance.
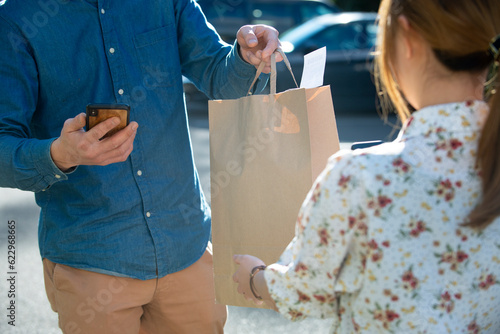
[314, 69]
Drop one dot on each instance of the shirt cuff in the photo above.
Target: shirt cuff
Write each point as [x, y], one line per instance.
[45, 166]
[240, 62]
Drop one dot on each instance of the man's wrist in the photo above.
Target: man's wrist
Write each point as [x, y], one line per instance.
[238, 50]
[58, 157]
[240, 55]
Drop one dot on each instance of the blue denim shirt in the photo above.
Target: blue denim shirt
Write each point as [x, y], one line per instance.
[143, 218]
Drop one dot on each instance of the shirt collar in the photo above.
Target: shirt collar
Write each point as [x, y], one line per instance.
[451, 117]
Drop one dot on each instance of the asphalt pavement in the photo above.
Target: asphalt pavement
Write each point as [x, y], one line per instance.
[32, 312]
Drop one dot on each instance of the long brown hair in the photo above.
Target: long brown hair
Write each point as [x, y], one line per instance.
[459, 32]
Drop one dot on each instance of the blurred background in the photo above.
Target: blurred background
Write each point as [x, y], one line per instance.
[347, 28]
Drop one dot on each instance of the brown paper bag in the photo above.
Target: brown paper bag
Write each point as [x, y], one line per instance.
[265, 153]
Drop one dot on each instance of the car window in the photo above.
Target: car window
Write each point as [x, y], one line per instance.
[371, 32]
[271, 10]
[273, 13]
[218, 9]
[349, 36]
[311, 10]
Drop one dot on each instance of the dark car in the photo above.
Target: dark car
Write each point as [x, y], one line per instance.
[350, 40]
[227, 16]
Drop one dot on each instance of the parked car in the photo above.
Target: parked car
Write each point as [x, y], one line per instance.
[227, 16]
[350, 40]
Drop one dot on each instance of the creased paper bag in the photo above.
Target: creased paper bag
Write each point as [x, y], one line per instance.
[265, 153]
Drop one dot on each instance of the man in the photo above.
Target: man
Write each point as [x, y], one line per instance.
[124, 224]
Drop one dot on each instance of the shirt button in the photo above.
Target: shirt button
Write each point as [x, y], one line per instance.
[103, 11]
[112, 50]
[58, 176]
[139, 172]
[120, 91]
[148, 214]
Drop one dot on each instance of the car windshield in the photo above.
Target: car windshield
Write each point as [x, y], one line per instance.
[311, 10]
[335, 34]
[297, 34]
[270, 13]
[305, 9]
[348, 36]
[221, 9]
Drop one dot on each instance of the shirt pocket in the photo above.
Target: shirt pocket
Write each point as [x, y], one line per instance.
[158, 56]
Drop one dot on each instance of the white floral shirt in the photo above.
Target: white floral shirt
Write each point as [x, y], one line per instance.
[379, 244]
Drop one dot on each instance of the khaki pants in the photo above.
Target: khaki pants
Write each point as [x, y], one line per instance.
[93, 303]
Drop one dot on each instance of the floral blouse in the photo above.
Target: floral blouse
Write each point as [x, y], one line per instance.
[379, 244]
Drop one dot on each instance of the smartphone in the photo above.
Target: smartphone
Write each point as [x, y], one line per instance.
[96, 113]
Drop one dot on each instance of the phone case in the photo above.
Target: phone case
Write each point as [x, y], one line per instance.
[96, 113]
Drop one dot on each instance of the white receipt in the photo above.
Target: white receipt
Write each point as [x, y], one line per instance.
[314, 69]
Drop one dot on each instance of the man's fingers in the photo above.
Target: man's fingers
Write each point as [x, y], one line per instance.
[246, 37]
[271, 46]
[254, 58]
[267, 68]
[120, 138]
[119, 154]
[269, 38]
[279, 57]
[258, 42]
[118, 147]
[251, 38]
[75, 147]
[98, 131]
[75, 124]
[111, 149]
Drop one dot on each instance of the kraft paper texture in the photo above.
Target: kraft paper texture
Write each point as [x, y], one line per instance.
[265, 153]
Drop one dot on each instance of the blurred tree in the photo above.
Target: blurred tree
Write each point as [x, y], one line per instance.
[358, 5]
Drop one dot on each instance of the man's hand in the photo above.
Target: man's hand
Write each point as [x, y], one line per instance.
[257, 44]
[76, 147]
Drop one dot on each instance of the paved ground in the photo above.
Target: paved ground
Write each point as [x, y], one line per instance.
[33, 313]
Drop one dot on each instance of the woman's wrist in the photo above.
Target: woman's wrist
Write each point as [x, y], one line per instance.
[253, 273]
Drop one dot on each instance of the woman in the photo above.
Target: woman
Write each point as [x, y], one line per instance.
[404, 237]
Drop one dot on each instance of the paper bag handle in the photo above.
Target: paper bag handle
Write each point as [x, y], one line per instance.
[273, 72]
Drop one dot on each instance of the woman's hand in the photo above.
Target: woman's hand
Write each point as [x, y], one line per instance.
[242, 275]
